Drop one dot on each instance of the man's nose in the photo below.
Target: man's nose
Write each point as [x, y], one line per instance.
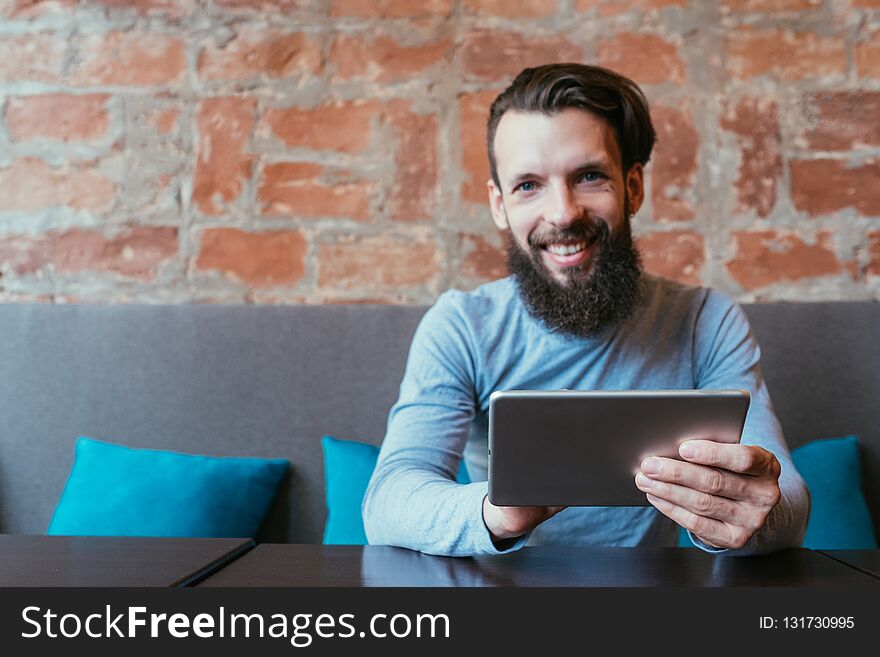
[563, 208]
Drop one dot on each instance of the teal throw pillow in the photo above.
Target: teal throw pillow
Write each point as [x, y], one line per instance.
[115, 490]
[839, 519]
[348, 466]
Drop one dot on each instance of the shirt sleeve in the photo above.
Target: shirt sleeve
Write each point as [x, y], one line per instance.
[728, 357]
[412, 499]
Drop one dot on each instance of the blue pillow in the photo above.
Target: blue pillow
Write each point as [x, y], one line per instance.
[839, 519]
[348, 466]
[115, 490]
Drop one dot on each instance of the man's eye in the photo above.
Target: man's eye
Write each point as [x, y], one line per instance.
[526, 186]
[592, 176]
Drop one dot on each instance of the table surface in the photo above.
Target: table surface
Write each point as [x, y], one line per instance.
[355, 566]
[27, 560]
[868, 561]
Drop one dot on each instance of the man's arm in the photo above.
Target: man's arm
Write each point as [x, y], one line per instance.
[412, 500]
[746, 498]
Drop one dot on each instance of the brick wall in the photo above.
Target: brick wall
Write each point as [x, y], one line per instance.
[324, 151]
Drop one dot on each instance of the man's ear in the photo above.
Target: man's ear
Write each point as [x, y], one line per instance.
[635, 187]
[496, 205]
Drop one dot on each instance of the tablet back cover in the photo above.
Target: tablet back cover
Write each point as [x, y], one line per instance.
[579, 448]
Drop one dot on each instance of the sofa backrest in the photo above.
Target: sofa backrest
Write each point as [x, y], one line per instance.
[270, 381]
[822, 366]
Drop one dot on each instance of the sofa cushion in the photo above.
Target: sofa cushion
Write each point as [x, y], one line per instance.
[348, 466]
[115, 490]
[839, 517]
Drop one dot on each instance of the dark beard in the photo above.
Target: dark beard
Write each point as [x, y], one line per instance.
[591, 300]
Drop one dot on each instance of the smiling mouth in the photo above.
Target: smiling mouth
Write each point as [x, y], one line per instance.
[567, 255]
[567, 249]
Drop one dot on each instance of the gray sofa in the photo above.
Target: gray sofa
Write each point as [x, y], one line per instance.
[270, 381]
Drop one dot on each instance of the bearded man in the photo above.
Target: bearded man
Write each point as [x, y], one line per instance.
[568, 144]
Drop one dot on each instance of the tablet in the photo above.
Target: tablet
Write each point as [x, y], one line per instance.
[583, 448]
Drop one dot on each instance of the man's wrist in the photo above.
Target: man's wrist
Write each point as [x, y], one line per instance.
[496, 532]
[502, 544]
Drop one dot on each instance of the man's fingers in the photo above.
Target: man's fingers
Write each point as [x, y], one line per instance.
[695, 501]
[745, 459]
[722, 493]
[709, 530]
[713, 481]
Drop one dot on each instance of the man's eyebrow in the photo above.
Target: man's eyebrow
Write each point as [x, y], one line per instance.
[520, 177]
[598, 163]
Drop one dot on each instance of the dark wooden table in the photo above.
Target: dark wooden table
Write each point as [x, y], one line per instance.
[354, 566]
[113, 561]
[867, 561]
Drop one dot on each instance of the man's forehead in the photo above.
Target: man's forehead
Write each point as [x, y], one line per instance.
[529, 141]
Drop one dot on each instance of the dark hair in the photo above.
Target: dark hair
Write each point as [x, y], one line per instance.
[552, 88]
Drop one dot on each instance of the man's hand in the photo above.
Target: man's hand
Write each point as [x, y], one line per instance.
[722, 493]
[511, 521]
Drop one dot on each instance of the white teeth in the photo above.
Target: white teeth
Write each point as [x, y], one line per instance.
[566, 249]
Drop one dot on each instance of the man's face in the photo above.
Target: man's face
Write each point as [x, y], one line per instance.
[565, 201]
[560, 177]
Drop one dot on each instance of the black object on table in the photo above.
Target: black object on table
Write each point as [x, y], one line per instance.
[867, 561]
[30, 560]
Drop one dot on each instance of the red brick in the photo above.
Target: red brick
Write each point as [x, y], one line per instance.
[646, 58]
[29, 185]
[265, 259]
[129, 58]
[23, 254]
[678, 255]
[868, 56]
[492, 55]
[414, 190]
[169, 8]
[874, 251]
[257, 52]
[18, 297]
[390, 8]
[61, 117]
[769, 6]
[136, 253]
[870, 4]
[366, 298]
[262, 6]
[33, 57]
[844, 120]
[756, 124]
[517, 9]
[822, 186]
[295, 189]
[482, 261]
[30, 9]
[613, 7]
[341, 126]
[376, 263]
[224, 164]
[771, 256]
[474, 113]
[165, 121]
[382, 59]
[674, 164]
[784, 54]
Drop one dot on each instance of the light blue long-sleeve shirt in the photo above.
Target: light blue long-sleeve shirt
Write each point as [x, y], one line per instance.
[470, 344]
